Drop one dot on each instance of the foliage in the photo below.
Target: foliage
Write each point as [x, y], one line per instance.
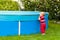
[8, 5]
[51, 6]
[54, 8]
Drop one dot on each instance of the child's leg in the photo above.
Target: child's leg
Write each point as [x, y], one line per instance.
[42, 28]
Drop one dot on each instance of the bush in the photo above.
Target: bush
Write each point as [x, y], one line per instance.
[9, 5]
[35, 5]
[29, 6]
[54, 9]
[51, 6]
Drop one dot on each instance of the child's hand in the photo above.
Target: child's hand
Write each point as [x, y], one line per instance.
[39, 18]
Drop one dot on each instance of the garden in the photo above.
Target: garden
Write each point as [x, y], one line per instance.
[51, 6]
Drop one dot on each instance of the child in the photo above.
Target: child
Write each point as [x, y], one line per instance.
[42, 23]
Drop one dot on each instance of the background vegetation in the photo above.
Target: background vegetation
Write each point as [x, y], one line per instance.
[9, 5]
[51, 6]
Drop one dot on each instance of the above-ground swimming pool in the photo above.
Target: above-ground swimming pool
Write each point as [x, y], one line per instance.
[20, 22]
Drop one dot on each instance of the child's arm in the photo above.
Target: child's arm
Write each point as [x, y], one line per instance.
[39, 17]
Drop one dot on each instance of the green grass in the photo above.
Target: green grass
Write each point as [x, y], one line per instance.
[53, 33]
[9, 38]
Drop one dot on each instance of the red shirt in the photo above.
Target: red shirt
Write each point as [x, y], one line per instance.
[42, 19]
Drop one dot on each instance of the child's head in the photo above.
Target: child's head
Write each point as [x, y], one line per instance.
[42, 13]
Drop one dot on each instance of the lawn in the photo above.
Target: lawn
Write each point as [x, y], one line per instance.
[9, 38]
[53, 33]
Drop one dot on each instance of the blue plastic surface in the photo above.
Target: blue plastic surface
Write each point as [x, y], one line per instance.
[19, 15]
[9, 18]
[28, 19]
[19, 12]
[8, 28]
[31, 25]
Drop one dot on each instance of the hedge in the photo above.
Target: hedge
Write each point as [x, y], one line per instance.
[51, 6]
[9, 5]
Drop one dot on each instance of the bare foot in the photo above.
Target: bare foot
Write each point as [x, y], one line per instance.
[43, 33]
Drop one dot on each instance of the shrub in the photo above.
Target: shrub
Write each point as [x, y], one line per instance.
[51, 6]
[8, 5]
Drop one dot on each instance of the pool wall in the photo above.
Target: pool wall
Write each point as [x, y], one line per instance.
[20, 22]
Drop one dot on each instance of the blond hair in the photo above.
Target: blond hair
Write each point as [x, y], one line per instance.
[42, 13]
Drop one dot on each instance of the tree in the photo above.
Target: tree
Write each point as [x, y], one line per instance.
[54, 8]
[51, 6]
